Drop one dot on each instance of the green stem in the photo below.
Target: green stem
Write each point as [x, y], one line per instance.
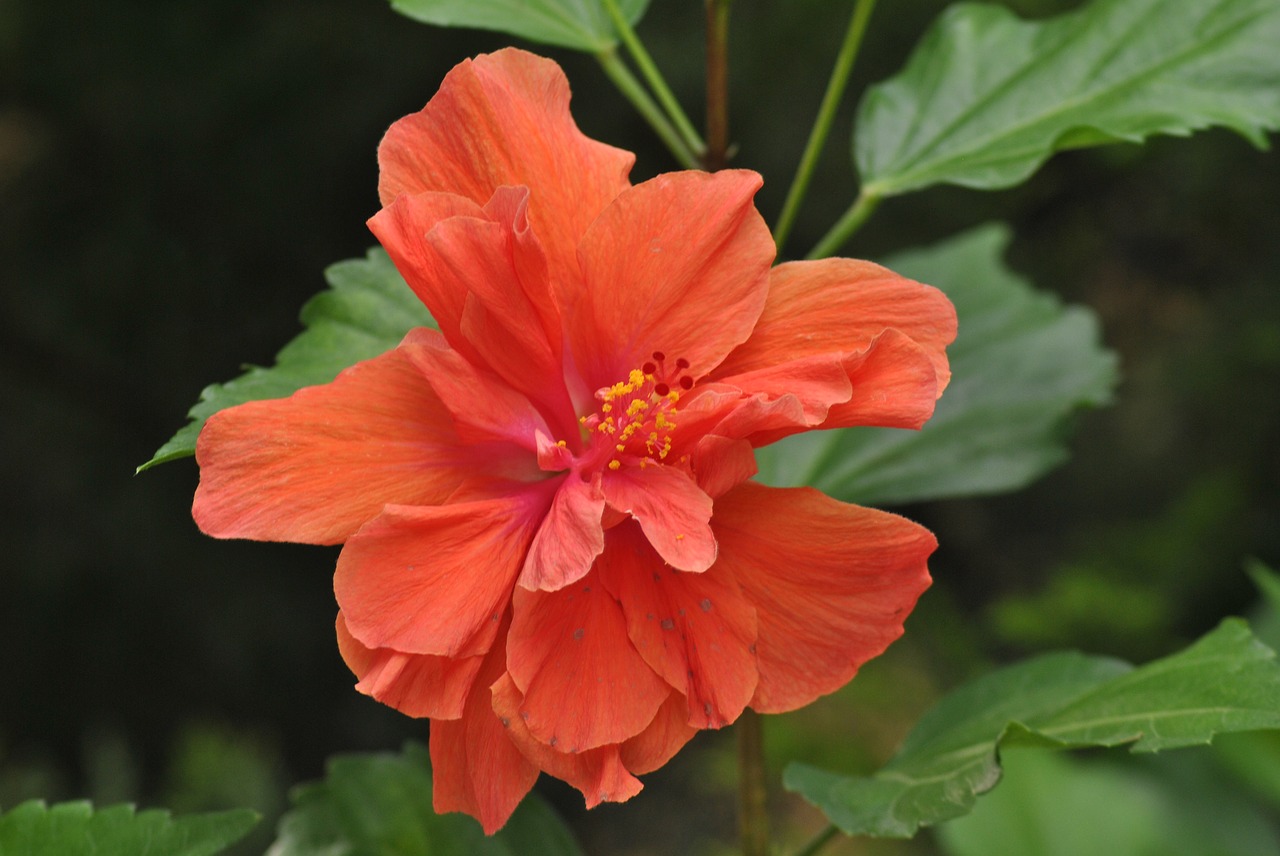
[639, 98]
[753, 810]
[839, 234]
[819, 841]
[648, 70]
[717, 151]
[826, 116]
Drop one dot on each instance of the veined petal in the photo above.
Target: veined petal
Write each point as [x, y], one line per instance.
[658, 744]
[436, 580]
[721, 464]
[695, 630]
[314, 467]
[598, 773]
[671, 509]
[832, 584]
[678, 264]
[839, 306]
[570, 538]
[475, 766]
[503, 119]
[484, 408]
[419, 685]
[402, 229]
[583, 683]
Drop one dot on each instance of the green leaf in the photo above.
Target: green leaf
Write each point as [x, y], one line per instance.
[1227, 681]
[578, 24]
[77, 829]
[380, 805]
[987, 98]
[1135, 810]
[1021, 366]
[366, 311]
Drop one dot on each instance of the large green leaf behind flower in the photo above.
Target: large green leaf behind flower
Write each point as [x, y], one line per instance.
[1022, 364]
[986, 98]
[77, 829]
[366, 311]
[1228, 681]
[578, 24]
[380, 805]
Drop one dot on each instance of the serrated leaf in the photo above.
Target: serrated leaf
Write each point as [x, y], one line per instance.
[1225, 682]
[366, 311]
[77, 829]
[1021, 366]
[582, 25]
[380, 805]
[986, 98]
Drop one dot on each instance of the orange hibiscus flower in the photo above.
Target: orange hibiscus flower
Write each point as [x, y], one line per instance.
[553, 548]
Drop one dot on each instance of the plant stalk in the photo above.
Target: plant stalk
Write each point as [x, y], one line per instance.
[822, 839]
[649, 71]
[634, 92]
[839, 234]
[716, 154]
[753, 810]
[826, 116]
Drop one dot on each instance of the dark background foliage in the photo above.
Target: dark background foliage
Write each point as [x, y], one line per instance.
[175, 175]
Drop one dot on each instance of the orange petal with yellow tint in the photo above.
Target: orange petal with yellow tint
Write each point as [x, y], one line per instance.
[678, 264]
[569, 539]
[503, 119]
[695, 630]
[314, 467]
[436, 580]
[475, 767]
[583, 684]
[840, 306]
[598, 773]
[419, 685]
[831, 582]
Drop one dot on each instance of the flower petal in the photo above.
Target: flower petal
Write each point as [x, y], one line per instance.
[598, 773]
[583, 683]
[503, 119]
[695, 630]
[840, 306]
[475, 766]
[678, 264]
[570, 538]
[721, 464]
[671, 509]
[419, 685]
[314, 467]
[832, 584]
[658, 744]
[436, 580]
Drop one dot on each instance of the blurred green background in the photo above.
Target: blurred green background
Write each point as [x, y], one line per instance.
[175, 175]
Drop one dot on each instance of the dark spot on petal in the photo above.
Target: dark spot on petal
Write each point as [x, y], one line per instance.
[752, 649]
[505, 722]
[680, 612]
[706, 708]
[705, 604]
[586, 589]
[579, 633]
[668, 624]
[524, 714]
[648, 616]
[553, 741]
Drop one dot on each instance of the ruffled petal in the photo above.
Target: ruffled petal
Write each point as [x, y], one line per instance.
[721, 464]
[891, 384]
[598, 773]
[832, 584]
[570, 538]
[583, 683]
[840, 306]
[678, 264]
[475, 766]
[314, 467]
[503, 119]
[436, 580]
[419, 685]
[695, 630]
[672, 510]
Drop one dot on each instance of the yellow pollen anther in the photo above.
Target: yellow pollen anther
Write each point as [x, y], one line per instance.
[613, 465]
[636, 378]
[561, 443]
[635, 407]
[620, 447]
[679, 537]
[607, 408]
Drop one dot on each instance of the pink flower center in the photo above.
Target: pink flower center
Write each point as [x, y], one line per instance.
[637, 415]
